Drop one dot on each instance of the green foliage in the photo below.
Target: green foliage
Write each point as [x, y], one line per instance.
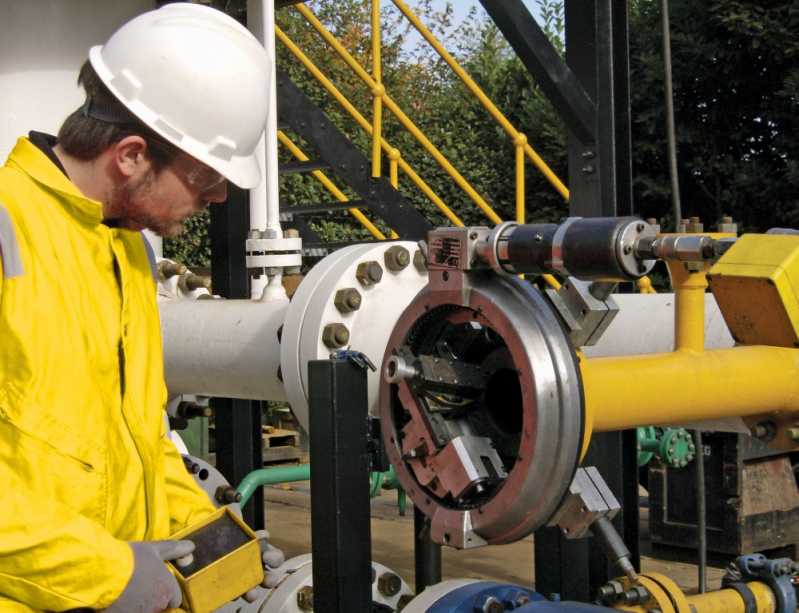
[736, 83]
[736, 86]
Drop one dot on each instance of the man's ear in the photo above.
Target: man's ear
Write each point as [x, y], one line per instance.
[130, 156]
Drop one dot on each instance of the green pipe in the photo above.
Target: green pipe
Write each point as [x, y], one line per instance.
[271, 476]
[287, 474]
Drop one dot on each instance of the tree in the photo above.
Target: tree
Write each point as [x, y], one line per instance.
[736, 84]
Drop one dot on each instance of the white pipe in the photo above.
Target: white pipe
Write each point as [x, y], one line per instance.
[223, 348]
[264, 199]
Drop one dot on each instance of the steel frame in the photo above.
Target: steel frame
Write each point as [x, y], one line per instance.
[238, 422]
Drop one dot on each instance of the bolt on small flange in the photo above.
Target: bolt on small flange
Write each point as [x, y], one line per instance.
[389, 584]
[397, 258]
[335, 335]
[347, 300]
[305, 598]
[493, 605]
[369, 273]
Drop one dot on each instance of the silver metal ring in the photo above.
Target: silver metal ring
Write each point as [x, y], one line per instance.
[556, 261]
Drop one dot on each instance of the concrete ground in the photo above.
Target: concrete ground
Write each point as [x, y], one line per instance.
[289, 524]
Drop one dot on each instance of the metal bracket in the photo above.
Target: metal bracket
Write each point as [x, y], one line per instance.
[589, 499]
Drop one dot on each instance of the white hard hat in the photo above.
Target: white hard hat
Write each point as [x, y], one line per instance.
[198, 78]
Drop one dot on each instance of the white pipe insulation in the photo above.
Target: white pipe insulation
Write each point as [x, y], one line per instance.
[264, 198]
[223, 348]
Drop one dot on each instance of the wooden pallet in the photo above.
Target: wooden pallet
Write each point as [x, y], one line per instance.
[281, 446]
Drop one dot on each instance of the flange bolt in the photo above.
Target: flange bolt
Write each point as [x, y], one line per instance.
[335, 335]
[397, 258]
[369, 273]
[347, 300]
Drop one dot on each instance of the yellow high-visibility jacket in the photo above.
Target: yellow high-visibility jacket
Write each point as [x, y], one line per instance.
[85, 464]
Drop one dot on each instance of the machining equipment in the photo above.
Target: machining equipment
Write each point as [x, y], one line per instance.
[486, 405]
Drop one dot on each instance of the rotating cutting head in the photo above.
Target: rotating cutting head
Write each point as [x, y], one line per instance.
[481, 404]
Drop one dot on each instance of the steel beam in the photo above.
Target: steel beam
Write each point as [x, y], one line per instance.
[237, 422]
[555, 77]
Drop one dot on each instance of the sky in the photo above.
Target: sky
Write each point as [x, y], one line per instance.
[461, 9]
[462, 6]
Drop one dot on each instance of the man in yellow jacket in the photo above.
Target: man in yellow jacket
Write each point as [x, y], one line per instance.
[91, 485]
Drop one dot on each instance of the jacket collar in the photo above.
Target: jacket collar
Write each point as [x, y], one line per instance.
[31, 160]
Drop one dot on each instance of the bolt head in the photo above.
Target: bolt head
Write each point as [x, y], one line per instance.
[793, 434]
[397, 258]
[419, 261]
[389, 584]
[335, 335]
[369, 273]
[347, 300]
[305, 598]
[493, 605]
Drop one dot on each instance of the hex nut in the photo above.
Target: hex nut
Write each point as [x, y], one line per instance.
[369, 273]
[335, 335]
[419, 261]
[493, 605]
[389, 584]
[397, 258]
[347, 300]
[168, 269]
[305, 598]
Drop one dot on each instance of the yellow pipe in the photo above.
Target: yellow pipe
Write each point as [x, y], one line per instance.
[361, 120]
[686, 386]
[482, 97]
[730, 601]
[519, 143]
[689, 307]
[331, 187]
[407, 123]
[644, 285]
[377, 91]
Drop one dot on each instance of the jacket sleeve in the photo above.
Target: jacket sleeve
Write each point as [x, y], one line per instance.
[51, 557]
[187, 502]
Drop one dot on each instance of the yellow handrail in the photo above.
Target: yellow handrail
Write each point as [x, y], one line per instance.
[377, 90]
[362, 121]
[482, 97]
[400, 115]
[518, 143]
[393, 167]
[331, 187]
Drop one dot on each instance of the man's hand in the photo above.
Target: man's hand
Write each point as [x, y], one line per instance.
[152, 588]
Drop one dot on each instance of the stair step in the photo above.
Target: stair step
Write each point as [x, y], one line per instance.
[291, 168]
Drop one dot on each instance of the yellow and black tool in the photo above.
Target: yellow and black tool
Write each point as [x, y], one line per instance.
[225, 564]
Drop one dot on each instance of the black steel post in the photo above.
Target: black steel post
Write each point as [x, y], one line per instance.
[237, 423]
[340, 463]
[427, 554]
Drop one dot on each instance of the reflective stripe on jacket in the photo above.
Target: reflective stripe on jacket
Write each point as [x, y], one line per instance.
[85, 464]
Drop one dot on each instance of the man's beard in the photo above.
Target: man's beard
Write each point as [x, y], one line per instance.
[128, 214]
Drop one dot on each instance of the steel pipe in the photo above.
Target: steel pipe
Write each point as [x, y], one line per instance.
[686, 386]
[223, 348]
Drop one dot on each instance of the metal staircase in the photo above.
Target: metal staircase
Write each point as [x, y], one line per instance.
[335, 152]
